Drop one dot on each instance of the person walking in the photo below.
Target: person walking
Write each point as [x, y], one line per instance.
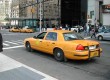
[66, 27]
[1, 43]
[93, 33]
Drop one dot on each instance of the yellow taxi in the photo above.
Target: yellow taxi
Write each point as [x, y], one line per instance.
[64, 45]
[14, 29]
[27, 30]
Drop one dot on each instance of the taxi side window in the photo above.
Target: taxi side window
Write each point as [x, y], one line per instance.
[41, 36]
[51, 36]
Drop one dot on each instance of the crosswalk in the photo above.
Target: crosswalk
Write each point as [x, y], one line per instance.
[12, 44]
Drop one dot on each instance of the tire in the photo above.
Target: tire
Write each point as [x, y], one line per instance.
[59, 55]
[100, 38]
[28, 47]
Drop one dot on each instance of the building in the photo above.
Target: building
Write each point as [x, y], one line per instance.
[5, 9]
[51, 13]
[99, 11]
[14, 12]
[95, 11]
[106, 12]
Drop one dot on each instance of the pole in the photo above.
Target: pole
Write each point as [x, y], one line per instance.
[32, 14]
[58, 14]
[43, 14]
[40, 18]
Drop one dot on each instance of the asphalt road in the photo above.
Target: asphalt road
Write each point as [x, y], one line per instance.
[95, 69]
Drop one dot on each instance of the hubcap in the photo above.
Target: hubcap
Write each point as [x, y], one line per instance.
[27, 45]
[100, 38]
[58, 54]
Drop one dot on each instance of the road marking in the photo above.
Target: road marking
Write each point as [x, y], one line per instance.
[10, 34]
[8, 64]
[6, 44]
[11, 42]
[87, 37]
[14, 47]
[18, 41]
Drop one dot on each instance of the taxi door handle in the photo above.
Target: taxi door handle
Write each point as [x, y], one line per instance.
[40, 41]
[53, 43]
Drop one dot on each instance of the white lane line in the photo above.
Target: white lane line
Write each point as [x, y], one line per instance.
[87, 37]
[14, 47]
[18, 41]
[11, 42]
[6, 44]
[7, 63]
[10, 34]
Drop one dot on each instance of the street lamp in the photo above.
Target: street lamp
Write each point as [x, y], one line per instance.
[40, 17]
[32, 10]
[58, 13]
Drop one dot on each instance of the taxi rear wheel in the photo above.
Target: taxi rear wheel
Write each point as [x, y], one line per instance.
[28, 46]
[59, 55]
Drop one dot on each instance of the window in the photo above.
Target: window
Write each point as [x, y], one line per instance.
[72, 36]
[42, 35]
[51, 36]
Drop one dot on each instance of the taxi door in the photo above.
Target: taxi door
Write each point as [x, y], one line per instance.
[50, 42]
[37, 43]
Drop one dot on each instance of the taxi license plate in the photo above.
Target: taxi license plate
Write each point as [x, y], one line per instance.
[92, 47]
[94, 54]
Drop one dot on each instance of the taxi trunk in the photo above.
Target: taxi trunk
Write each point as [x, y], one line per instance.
[86, 49]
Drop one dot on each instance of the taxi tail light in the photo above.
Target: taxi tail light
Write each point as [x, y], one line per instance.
[80, 47]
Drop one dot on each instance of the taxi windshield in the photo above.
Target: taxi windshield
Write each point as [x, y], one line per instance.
[72, 36]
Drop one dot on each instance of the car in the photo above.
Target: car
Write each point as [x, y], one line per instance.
[64, 44]
[75, 28]
[27, 30]
[14, 29]
[103, 35]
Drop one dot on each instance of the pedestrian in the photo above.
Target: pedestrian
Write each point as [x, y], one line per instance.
[1, 43]
[88, 29]
[66, 27]
[93, 33]
[79, 30]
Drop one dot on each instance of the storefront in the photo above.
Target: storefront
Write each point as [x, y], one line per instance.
[106, 14]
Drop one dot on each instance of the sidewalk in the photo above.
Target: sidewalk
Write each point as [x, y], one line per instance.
[14, 70]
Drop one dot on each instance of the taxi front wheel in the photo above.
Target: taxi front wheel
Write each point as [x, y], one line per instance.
[28, 47]
[59, 55]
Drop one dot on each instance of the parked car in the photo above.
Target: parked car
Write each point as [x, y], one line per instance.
[64, 44]
[27, 30]
[75, 28]
[103, 35]
[14, 29]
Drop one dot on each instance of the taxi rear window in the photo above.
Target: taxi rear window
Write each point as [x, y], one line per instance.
[72, 36]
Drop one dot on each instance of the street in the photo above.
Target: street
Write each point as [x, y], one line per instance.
[94, 69]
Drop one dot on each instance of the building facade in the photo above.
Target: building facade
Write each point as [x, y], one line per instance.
[5, 9]
[14, 12]
[106, 12]
[99, 11]
[51, 13]
[95, 11]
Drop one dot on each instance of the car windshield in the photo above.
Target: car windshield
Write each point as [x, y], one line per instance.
[72, 36]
